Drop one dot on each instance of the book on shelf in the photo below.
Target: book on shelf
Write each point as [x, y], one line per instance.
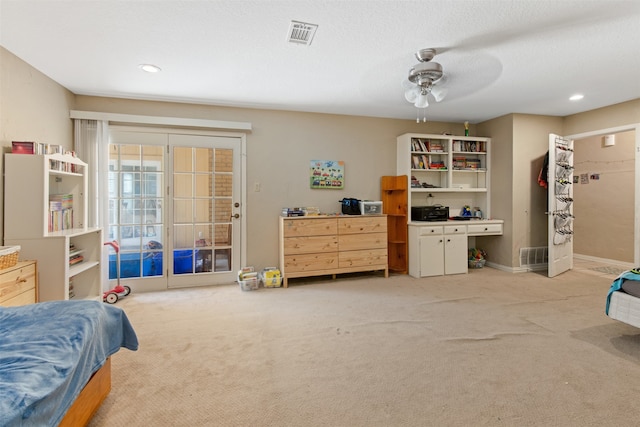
[436, 146]
[459, 162]
[469, 146]
[76, 259]
[63, 201]
[60, 220]
[60, 212]
[72, 292]
[419, 144]
[32, 147]
[473, 164]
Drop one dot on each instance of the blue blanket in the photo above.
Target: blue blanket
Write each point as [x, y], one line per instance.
[48, 352]
[633, 274]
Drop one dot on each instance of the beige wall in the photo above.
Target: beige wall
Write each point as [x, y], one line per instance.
[604, 208]
[282, 143]
[32, 108]
[622, 114]
[531, 142]
[501, 131]
[279, 149]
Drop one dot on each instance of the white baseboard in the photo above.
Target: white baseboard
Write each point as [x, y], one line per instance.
[515, 269]
[628, 265]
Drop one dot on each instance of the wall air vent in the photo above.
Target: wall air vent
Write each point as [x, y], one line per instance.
[301, 32]
[534, 258]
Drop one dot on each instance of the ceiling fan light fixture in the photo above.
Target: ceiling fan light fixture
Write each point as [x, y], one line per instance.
[425, 73]
[424, 79]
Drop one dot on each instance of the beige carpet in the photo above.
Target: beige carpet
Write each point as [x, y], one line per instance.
[485, 349]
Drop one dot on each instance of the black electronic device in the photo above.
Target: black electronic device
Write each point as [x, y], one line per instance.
[350, 206]
[429, 213]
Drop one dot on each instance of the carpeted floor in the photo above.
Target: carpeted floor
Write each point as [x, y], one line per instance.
[484, 349]
[609, 270]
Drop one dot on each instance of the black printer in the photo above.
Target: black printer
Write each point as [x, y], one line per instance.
[429, 213]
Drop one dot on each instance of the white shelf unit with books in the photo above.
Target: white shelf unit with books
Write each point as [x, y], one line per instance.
[35, 187]
[446, 170]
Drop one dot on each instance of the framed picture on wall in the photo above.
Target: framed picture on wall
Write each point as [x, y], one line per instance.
[326, 174]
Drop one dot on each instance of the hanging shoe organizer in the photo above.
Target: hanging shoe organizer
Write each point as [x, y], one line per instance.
[562, 209]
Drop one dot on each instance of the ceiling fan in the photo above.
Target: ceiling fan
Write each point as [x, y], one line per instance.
[426, 79]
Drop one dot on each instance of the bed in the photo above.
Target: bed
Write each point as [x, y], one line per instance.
[55, 360]
[623, 299]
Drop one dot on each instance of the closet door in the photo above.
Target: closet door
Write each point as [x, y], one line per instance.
[560, 205]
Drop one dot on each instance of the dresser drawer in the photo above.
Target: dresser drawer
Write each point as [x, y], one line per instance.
[363, 224]
[309, 227]
[351, 242]
[310, 262]
[18, 284]
[435, 230]
[310, 244]
[455, 229]
[372, 257]
[482, 229]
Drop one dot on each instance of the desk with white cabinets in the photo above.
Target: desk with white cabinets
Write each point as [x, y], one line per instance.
[438, 248]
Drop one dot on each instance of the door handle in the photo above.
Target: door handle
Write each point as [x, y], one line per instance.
[236, 216]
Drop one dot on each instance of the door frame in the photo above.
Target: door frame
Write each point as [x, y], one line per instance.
[242, 173]
[624, 128]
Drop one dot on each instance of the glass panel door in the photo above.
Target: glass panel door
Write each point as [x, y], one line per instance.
[136, 180]
[173, 209]
[203, 210]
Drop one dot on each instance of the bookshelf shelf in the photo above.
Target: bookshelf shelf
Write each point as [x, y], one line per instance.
[456, 176]
[54, 180]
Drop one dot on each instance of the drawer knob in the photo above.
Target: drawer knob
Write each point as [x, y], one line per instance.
[486, 229]
[20, 279]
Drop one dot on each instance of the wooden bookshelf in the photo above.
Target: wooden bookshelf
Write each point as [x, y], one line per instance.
[394, 205]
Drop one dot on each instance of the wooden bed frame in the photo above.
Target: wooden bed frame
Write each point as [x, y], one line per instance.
[90, 398]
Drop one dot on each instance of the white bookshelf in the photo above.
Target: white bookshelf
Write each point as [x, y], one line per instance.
[463, 178]
[30, 181]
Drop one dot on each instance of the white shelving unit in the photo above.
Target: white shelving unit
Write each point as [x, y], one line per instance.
[30, 181]
[449, 170]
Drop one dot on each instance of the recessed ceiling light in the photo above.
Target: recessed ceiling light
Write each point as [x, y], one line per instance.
[149, 68]
[576, 97]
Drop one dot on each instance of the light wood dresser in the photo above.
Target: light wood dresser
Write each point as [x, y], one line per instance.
[330, 245]
[18, 284]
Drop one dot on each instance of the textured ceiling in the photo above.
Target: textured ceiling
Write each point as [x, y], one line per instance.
[499, 56]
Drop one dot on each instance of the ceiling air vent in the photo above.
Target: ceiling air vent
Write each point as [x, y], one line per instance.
[301, 32]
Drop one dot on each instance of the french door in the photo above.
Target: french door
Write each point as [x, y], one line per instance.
[174, 208]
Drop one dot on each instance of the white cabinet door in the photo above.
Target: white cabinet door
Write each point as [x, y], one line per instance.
[455, 253]
[431, 255]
